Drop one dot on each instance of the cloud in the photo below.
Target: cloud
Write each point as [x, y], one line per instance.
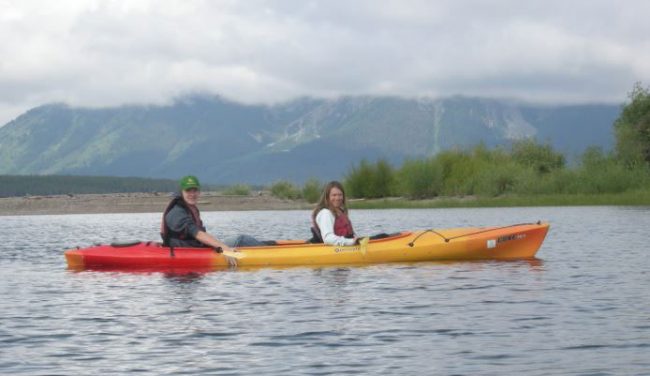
[106, 53]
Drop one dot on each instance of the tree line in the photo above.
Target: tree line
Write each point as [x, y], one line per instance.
[526, 168]
[41, 185]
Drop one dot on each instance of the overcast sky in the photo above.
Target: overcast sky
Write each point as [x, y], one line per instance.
[107, 53]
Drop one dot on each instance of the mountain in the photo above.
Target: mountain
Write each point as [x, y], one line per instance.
[225, 142]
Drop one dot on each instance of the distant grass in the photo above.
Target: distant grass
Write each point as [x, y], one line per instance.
[641, 197]
[237, 190]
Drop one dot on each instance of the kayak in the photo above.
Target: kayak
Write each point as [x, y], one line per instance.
[520, 241]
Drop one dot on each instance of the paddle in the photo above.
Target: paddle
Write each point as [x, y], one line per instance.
[363, 245]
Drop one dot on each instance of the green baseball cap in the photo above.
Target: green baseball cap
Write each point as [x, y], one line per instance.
[189, 182]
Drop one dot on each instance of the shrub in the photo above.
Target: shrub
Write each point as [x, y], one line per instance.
[311, 191]
[383, 179]
[632, 129]
[286, 190]
[497, 180]
[611, 177]
[420, 178]
[357, 180]
[463, 170]
[530, 181]
[370, 181]
[528, 169]
[238, 190]
[459, 171]
[542, 158]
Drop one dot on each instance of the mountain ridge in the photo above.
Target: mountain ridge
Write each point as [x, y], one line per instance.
[227, 142]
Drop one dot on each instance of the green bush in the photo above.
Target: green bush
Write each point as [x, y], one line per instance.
[357, 180]
[464, 170]
[632, 129]
[542, 158]
[383, 179]
[594, 158]
[420, 179]
[558, 181]
[311, 191]
[286, 190]
[611, 177]
[370, 181]
[459, 170]
[498, 180]
[528, 168]
[237, 190]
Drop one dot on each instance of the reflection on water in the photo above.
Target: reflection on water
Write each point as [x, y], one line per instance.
[190, 277]
[579, 308]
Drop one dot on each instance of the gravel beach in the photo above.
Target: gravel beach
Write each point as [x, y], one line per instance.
[138, 203]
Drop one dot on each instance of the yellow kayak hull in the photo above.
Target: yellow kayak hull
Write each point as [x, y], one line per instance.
[498, 243]
[482, 243]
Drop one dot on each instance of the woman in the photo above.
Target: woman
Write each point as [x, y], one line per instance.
[330, 222]
[182, 225]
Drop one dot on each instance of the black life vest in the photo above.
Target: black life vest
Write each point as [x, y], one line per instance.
[167, 233]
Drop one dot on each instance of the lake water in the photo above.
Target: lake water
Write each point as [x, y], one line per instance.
[581, 308]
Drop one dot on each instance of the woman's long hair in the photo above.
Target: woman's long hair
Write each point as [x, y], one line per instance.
[324, 201]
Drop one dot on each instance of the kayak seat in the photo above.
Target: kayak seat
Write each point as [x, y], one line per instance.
[127, 243]
[382, 235]
[315, 237]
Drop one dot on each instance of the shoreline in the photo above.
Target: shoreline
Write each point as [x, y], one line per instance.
[138, 203]
[263, 200]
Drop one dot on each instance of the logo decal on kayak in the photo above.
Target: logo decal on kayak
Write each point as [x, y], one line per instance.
[492, 243]
[510, 237]
[346, 249]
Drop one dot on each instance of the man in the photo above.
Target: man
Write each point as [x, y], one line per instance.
[182, 225]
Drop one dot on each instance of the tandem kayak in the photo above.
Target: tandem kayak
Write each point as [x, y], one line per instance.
[521, 241]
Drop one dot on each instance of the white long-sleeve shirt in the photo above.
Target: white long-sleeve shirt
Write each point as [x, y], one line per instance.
[325, 221]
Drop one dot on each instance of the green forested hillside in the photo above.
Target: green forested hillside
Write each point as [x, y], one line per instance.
[226, 143]
[526, 169]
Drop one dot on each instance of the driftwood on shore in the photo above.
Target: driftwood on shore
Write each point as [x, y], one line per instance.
[138, 203]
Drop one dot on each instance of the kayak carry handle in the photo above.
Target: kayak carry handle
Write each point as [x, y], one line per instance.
[412, 243]
[473, 233]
